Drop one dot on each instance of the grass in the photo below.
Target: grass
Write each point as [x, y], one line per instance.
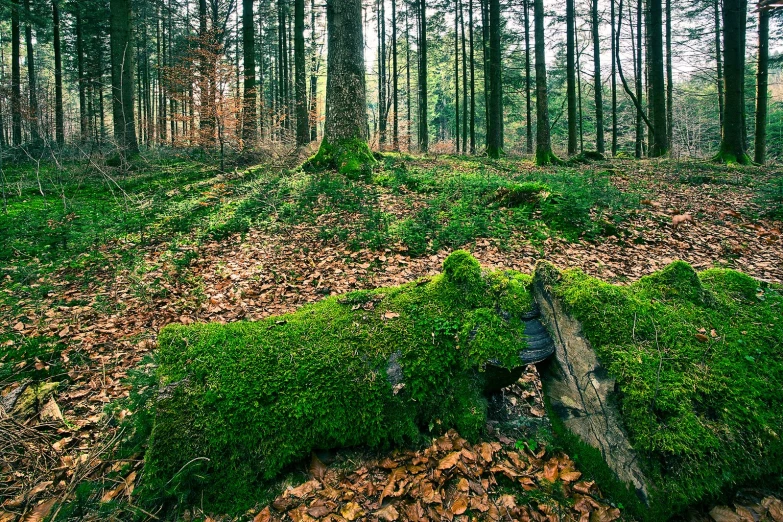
[697, 362]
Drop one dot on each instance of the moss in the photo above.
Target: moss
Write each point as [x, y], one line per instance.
[547, 158]
[352, 158]
[241, 401]
[697, 359]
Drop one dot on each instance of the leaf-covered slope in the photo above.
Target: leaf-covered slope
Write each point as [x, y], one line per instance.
[698, 359]
[240, 401]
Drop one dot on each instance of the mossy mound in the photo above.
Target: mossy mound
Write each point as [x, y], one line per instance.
[698, 361]
[353, 158]
[241, 401]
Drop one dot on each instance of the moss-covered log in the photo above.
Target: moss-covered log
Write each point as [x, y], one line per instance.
[675, 381]
[239, 402]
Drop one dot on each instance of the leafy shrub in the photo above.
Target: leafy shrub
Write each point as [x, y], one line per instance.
[697, 358]
[241, 401]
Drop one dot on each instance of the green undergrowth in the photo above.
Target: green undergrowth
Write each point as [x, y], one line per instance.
[239, 402]
[698, 362]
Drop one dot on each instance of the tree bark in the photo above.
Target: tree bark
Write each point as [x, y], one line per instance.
[344, 146]
[528, 101]
[122, 75]
[313, 77]
[571, 75]
[544, 155]
[669, 76]
[394, 75]
[760, 152]
[719, 61]
[84, 123]
[598, 86]
[472, 80]
[614, 83]
[249, 117]
[732, 147]
[302, 121]
[464, 81]
[423, 119]
[16, 78]
[495, 121]
[59, 117]
[659, 145]
[456, 76]
[35, 131]
[639, 67]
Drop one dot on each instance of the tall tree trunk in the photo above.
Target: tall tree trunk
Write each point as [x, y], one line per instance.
[598, 86]
[423, 119]
[456, 76]
[382, 101]
[395, 100]
[485, 64]
[579, 94]
[472, 80]
[313, 113]
[249, 118]
[660, 143]
[614, 82]
[122, 75]
[638, 73]
[544, 155]
[302, 120]
[528, 104]
[571, 75]
[495, 128]
[84, 123]
[35, 130]
[732, 147]
[16, 78]
[718, 60]
[409, 100]
[59, 117]
[669, 76]
[344, 146]
[760, 152]
[464, 81]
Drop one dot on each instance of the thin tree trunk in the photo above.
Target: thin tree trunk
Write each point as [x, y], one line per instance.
[639, 68]
[382, 101]
[82, 83]
[395, 100]
[760, 152]
[59, 116]
[669, 76]
[408, 78]
[302, 121]
[719, 61]
[528, 104]
[659, 142]
[599, 98]
[313, 77]
[34, 116]
[423, 123]
[16, 78]
[464, 81]
[579, 94]
[732, 148]
[571, 75]
[456, 76]
[614, 83]
[249, 118]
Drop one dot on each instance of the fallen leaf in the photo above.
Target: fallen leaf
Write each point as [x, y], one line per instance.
[449, 461]
[724, 514]
[701, 337]
[460, 505]
[390, 315]
[351, 511]
[265, 515]
[775, 508]
[388, 513]
[39, 512]
[317, 468]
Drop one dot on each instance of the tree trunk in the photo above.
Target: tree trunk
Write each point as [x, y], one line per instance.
[472, 80]
[732, 147]
[408, 77]
[122, 75]
[395, 100]
[423, 119]
[495, 122]
[571, 75]
[614, 83]
[84, 124]
[719, 61]
[35, 131]
[302, 121]
[544, 155]
[456, 76]
[464, 81]
[59, 117]
[313, 77]
[528, 104]
[344, 145]
[760, 152]
[382, 101]
[599, 98]
[639, 68]
[669, 76]
[660, 144]
[249, 117]
[16, 78]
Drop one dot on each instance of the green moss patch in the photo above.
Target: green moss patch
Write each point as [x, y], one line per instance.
[352, 158]
[698, 360]
[239, 402]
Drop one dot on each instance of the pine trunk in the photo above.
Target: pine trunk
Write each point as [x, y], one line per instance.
[732, 147]
[760, 152]
[423, 119]
[302, 120]
[571, 75]
[528, 100]
[122, 75]
[660, 145]
[614, 81]
[34, 115]
[495, 126]
[598, 86]
[59, 117]
[16, 78]
[249, 116]
[544, 154]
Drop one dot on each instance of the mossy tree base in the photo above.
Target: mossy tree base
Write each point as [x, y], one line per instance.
[729, 158]
[352, 158]
[547, 157]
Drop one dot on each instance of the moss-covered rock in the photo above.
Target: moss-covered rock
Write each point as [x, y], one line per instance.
[241, 401]
[698, 364]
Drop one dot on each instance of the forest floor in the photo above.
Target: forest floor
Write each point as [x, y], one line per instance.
[94, 261]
